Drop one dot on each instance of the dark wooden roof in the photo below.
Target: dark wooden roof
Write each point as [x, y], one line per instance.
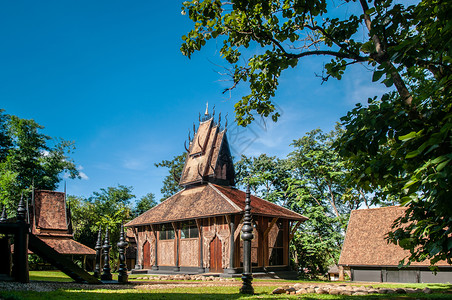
[49, 222]
[365, 243]
[208, 200]
[49, 210]
[208, 157]
[66, 245]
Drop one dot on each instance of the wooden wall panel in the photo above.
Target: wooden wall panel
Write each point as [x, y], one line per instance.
[216, 226]
[145, 235]
[189, 253]
[166, 253]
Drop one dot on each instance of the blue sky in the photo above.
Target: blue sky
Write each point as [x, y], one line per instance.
[109, 76]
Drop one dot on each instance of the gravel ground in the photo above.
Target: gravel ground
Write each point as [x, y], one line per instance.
[41, 286]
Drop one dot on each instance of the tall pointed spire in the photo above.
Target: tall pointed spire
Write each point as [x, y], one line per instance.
[207, 109]
[21, 210]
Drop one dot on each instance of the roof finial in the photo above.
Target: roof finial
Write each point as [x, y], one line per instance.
[207, 109]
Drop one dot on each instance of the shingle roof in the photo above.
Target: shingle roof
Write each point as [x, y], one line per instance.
[49, 223]
[365, 243]
[65, 245]
[209, 200]
[50, 210]
[203, 158]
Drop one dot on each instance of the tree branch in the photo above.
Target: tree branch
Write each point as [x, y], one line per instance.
[382, 58]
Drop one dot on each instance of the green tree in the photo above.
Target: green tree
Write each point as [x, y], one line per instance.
[402, 141]
[30, 158]
[319, 189]
[171, 181]
[266, 175]
[144, 204]
[110, 207]
[5, 139]
[83, 220]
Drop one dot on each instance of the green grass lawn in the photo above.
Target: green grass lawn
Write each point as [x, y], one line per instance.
[197, 292]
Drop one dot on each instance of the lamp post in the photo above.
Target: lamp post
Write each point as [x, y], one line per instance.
[247, 236]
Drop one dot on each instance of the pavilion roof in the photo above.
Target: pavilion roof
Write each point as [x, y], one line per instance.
[66, 245]
[207, 200]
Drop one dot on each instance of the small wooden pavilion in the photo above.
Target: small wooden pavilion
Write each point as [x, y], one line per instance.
[197, 230]
[50, 221]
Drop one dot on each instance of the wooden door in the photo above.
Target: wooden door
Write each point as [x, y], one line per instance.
[216, 265]
[146, 255]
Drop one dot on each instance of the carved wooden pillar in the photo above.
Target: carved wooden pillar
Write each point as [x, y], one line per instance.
[231, 220]
[200, 241]
[155, 267]
[176, 236]
[106, 274]
[247, 236]
[98, 249]
[122, 245]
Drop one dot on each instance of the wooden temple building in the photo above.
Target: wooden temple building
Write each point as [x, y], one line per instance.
[197, 230]
[50, 221]
[367, 256]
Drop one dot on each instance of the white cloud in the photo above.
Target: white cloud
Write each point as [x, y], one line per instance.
[359, 87]
[83, 175]
[135, 164]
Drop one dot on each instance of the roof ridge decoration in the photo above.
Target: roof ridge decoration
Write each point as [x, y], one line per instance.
[208, 157]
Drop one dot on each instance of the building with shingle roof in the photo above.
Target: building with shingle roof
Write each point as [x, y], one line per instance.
[50, 221]
[367, 256]
[197, 230]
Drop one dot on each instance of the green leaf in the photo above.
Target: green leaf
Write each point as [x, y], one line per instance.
[377, 75]
[442, 165]
[408, 136]
[413, 154]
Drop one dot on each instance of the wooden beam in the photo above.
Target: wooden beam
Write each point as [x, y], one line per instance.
[239, 228]
[228, 219]
[270, 227]
[294, 228]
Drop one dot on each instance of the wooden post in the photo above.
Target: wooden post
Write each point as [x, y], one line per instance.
[201, 256]
[106, 275]
[176, 236]
[247, 236]
[155, 267]
[20, 271]
[98, 249]
[122, 245]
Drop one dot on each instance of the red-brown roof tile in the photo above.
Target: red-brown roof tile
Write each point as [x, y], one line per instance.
[50, 210]
[209, 200]
[66, 245]
[365, 243]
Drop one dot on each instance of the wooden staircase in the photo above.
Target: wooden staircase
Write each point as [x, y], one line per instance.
[60, 261]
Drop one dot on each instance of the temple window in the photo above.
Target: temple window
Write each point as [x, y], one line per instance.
[189, 230]
[166, 232]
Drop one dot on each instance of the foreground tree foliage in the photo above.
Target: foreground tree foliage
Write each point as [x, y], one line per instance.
[30, 158]
[400, 144]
